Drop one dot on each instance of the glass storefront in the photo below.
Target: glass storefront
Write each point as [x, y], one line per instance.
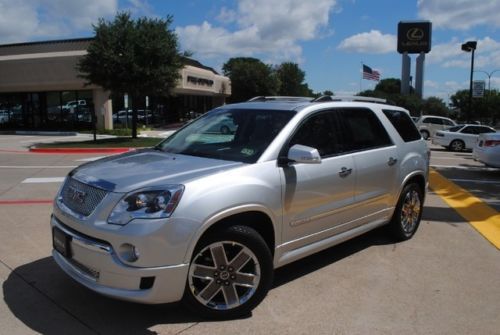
[59, 110]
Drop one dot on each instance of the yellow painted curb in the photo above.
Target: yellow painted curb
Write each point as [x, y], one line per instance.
[485, 219]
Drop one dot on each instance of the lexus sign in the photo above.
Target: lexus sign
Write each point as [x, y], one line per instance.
[414, 36]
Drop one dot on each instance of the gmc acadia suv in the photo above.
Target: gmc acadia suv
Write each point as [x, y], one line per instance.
[206, 216]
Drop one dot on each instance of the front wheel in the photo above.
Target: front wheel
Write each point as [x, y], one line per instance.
[408, 213]
[230, 273]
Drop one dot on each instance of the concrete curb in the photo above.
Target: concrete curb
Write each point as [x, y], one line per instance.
[81, 150]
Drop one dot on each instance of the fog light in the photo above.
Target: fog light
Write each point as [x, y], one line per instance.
[129, 252]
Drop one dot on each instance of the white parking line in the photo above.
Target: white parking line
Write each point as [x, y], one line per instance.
[43, 180]
[476, 181]
[91, 159]
[37, 167]
[470, 168]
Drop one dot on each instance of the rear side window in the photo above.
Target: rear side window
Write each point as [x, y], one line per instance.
[432, 120]
[363, 130]
[403, 124]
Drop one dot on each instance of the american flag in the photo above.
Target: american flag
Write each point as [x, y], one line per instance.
[370, 74]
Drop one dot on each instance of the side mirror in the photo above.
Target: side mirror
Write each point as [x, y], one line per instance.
[303, 154]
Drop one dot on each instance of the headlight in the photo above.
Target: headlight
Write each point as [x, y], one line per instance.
[147, 203]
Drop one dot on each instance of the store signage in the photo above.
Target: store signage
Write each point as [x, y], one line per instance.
[200, 81]
[478, 87]
[414, 36]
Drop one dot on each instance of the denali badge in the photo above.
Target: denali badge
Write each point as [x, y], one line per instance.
[76, 195]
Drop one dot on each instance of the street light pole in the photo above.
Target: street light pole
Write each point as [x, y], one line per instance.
[470, 46]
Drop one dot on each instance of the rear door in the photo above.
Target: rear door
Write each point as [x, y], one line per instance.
[376, 163]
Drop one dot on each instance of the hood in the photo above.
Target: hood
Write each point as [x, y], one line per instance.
[143, 168]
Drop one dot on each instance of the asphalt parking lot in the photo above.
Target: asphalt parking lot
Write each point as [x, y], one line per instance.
[443, 281]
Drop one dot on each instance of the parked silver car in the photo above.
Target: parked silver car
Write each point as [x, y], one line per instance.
[429, 124]
[206, 218]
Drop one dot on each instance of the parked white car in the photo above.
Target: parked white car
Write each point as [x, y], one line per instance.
[4, 116]
[487, 149]
[429, 124]
[458, 138]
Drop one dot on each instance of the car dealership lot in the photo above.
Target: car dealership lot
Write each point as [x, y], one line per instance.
[444, 280]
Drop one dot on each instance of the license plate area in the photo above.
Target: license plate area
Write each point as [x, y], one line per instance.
[61, 242]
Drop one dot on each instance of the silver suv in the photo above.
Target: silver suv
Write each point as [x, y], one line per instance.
[206, 216]
[428, 125]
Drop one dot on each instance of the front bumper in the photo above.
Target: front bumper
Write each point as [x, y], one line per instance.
[95, 264]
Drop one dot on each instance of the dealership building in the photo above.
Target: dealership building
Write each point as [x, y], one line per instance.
[40, 90]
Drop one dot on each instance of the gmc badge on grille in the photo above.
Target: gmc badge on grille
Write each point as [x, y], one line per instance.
[76, 195]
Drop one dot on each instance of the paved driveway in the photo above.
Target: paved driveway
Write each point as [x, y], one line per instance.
[443, 281]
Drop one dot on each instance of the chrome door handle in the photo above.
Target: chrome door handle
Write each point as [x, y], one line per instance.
[392, 161]
[344, 172]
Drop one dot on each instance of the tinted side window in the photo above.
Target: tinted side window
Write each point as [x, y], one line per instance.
[469, 130]
[403, 124]
[321, 132]
[363, 130]
[482, 130]
[433, 120]
[448, 122]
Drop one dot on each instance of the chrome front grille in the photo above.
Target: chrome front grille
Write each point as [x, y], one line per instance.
[81, 198]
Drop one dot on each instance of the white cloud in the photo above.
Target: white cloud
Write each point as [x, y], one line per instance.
[23, 21]
[373, 42]
[450, 54]
[271, 27]
[460, 14]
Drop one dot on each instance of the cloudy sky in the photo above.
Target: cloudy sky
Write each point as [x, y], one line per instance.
[328, 38]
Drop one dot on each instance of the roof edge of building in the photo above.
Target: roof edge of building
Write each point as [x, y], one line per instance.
[69, 40]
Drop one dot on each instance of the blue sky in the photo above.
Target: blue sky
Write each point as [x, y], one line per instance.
[328, 38]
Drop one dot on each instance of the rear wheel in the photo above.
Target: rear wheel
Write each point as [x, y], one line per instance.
[408, 213]
[425, 134]
[230, 273]
[457, 145]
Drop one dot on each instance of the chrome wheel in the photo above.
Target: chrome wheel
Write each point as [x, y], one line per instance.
[410, 211]
[224, 275]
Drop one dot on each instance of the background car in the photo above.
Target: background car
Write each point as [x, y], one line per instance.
[125, 116]
[429, 124]
[4, 116]
[458, 138]
[487, 149]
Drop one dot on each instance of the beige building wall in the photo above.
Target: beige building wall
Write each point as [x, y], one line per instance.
[51, 66]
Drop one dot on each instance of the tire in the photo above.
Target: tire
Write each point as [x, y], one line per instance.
[457, 145]
[408, 212]
[425, 134]
[236, 254]
[224, 130]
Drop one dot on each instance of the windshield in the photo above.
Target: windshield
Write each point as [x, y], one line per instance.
[239, 135]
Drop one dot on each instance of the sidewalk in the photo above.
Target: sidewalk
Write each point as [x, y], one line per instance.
[23, 141]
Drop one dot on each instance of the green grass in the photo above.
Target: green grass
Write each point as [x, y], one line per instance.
[120, 142]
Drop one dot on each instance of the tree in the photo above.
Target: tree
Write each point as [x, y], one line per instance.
[249, 78]
[291, 79]
[329, 93]
[139, 57]
[389, 86]
[435, 106]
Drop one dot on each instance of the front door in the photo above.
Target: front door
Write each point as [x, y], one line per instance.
[317, 197]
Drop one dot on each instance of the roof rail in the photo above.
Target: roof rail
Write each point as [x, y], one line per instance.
[325, 98]
[279, 98]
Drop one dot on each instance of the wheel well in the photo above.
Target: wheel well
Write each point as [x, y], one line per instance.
[419, 180]
[258, 221]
